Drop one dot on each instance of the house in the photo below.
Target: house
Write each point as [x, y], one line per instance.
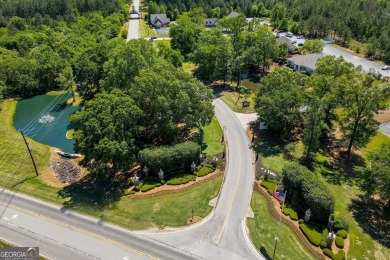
[291, 47]
[305, 63]
[233, 15]
[134, 14]
[159, 20]
[211, 22]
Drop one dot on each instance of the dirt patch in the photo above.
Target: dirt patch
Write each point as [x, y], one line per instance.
[383, 116]
[194, 220]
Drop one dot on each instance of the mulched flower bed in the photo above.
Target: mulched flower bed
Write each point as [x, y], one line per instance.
[65, 171]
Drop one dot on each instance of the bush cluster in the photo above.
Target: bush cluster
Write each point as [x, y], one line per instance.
[341, 224]
[301, 221]
[323, 244]
[290, 212]
[339, 242]
[270, 186]
[328, 252]
[169, 157]
[307, 190]
[204, 171]
[342, 233]
[312, 235]
[181, 179]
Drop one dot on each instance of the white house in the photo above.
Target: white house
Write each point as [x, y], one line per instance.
[305, 63]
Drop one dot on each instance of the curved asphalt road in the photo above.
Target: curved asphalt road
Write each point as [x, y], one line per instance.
[62, 234]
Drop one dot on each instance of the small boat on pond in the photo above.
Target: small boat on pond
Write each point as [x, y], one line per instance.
[68, 155]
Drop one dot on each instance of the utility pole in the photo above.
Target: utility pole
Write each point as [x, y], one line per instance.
[29, 150]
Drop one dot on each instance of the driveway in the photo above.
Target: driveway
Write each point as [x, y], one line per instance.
[385, 128]
[133, 24]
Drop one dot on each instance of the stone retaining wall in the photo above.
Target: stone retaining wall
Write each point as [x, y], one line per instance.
[141, 195]
[296, 230]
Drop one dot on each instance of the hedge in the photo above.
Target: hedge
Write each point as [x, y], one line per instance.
[290, 212]
[342, 253]
[323, 244]
[328, 252]
[181, 179]
[169, 157]
[313, 236]
[339, 256]
[342, 233]
[270, 186]
[204, 171]
[339, 242]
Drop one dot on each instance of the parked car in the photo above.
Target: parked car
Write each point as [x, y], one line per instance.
[300, 44]
[154, 37]
[289, 34]
[387, 67]
[277, 35]
[280, 31]
[299, 37]
[293, 41]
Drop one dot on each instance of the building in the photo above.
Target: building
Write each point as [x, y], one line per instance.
[159, 20]
[305, 63]
[134, 14]
[211, 22]
[233, 15]
[291, 47]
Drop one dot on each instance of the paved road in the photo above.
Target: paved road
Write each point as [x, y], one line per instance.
[222, 235]
[385, 128]
[133, 24]
[366, 64]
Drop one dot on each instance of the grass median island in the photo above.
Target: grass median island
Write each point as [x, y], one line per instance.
[263, 229]
[212, 137]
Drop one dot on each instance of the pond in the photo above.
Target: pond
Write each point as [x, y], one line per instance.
[45, 119]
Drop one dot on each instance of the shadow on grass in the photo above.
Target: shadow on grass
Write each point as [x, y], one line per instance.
[264, 252]
[95, 191]
[373, 217]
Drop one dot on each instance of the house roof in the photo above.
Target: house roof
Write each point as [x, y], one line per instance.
[308, 61]
[161, 17]
[233, 14]
[210, 21]
[284, 39]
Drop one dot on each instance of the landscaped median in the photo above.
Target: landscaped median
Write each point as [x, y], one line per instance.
[312, 235]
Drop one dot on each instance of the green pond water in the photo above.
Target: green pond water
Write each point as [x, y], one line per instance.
[45, 119]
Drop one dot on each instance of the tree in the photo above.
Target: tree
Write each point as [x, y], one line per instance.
[313, 126]
[375, 180]
[186, 31]
[363, 97]
[234, 26]
[107, 128]
[213, 56]
[167, 53]
[313, 46]
[172, 102]
[279, 99]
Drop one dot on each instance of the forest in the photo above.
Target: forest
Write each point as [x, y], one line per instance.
[367, 21]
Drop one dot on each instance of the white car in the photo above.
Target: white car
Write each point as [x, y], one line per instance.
[299, 37]
[387, 67]
[289, 34]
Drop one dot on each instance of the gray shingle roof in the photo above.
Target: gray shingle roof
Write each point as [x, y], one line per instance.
[233, 14]
[162, 17]
[211, 21]
[283, 39]
[309, 61]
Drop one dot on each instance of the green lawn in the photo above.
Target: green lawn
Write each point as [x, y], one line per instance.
[235, 103]
[164, 210]
[144, 30]
[263, 229]
[375, 143]
[171, 210]
[212, 137]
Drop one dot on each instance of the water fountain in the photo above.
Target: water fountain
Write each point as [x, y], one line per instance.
[46, 119]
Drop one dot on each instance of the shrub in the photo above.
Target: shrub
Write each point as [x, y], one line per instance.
[342, 233]
[210, 166]
[339, 242]
[204, 171]
[158, 184]
[137, 188]
[342, 253]
[181, 179]
[169, 157]
[147, 187]
[199, 167]
[288, 211]
[270, 186]
[312, 235]
[162, 182]
[301, 221]
[337, 257]
[323, 244]
[325, 234]
[328, 252]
